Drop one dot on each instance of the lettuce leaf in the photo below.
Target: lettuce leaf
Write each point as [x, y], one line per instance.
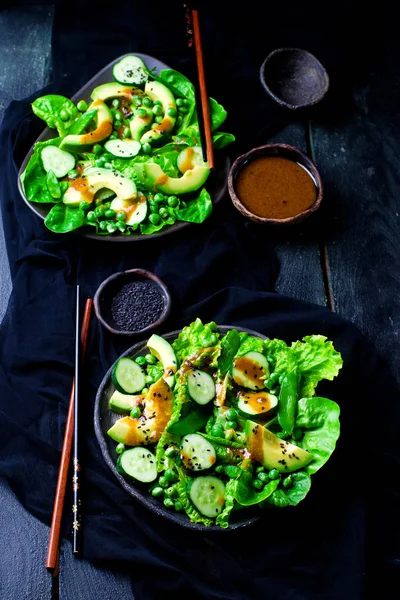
[249, 343]
[197, 209]
[63, 218]
[282, 497]
[230, 491]
[195, 337]
[246, 495]
[49, 108]
[190, 510]
[317, 359]
[318, 418]
[33, 179]
[230, 344]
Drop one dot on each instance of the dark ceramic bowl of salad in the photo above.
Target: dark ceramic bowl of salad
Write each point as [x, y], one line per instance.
[120, 188]
[206, 425]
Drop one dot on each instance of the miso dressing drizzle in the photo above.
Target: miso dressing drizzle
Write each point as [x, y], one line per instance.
[275, 188]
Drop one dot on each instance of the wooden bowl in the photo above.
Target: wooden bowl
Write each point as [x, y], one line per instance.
[104, 419]
[112, 285]
[283, 151]
[294, 78]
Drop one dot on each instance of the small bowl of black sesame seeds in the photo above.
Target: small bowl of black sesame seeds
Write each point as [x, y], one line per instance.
[132, 302]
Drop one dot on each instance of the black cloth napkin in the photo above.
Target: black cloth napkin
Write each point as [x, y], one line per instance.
[341, 541]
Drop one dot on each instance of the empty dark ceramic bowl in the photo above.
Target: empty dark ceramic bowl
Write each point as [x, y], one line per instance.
[279, 150]
[294, 78]
[104, 419]
[110, 288]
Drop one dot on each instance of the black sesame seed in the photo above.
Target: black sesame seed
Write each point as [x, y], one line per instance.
[137, 305]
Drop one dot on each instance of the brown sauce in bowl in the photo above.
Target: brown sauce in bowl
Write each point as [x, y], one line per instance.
[275, 188]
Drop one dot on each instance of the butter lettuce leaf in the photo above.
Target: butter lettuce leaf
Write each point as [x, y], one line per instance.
[230, 490]
[197, 209]
[246, 495]
[194, 337]
[282, 497]
[318, 419]
[49, 108]
[33, 178]
[249, 343]
[317, 359]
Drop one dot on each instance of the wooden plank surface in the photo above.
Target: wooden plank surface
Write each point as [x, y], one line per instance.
[23, 546]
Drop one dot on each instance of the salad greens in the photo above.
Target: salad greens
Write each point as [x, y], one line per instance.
[130, 161]
[224, 420]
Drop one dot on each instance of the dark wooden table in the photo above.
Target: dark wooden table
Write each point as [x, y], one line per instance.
[354, 270]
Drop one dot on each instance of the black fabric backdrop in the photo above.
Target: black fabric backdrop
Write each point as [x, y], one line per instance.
[341, 541]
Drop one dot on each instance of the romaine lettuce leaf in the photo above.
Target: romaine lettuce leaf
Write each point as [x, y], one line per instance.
[249, 343]
[230, 490]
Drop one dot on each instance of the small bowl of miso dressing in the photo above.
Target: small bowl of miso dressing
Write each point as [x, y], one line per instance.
[275, 184]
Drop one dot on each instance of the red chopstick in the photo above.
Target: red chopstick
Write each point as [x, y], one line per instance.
[54, 539]
[205, 106]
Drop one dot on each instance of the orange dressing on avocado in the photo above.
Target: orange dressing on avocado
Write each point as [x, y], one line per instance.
[274, 187]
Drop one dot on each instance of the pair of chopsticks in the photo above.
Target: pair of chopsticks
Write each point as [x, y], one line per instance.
[70, 444]
[194, 42]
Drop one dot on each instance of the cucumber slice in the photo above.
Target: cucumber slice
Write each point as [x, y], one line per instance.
[253, 404]
[123, 148]
[56, 160]
[208, 495]
[132, 70]
[197, 453]
[201, 387]
[128, 377]
[251, 370]
[122, 404]
[138, 463]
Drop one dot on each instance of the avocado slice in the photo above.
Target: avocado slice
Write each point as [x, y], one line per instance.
[165, 354]
[122, 404]
[189, 182]
[85, 141]
[135, 210]
[189, 158]
[147, 428]
[139, 125]
[273, 452]
[156, 90]
[113, 90]
[84, 188]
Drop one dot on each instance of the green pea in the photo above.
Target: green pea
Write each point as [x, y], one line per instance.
[154, 218]
[272, 381]
[84, 205]
[103, 225]
[231, 414]
[140, 360]
[135, 412]
[145, 391]
[115, 103]
[108, 165]
[91, 216]
[73, 174]
[170, 492]
[173, 201]
[113, 136]
[287, 482]
[141, 112]
[170, 475]
[137, 100]
[219, 469]
[183, 109]
[99, 162]
[260, 469]
[158, 120]
[217, 431]
[121, 226]
[163, 213]
[111, 227]
[159, 197]
[297, 434]
[120, 448]
[126, 132]
[157, 492]
[97, 149]
[263, 477]
[109, 213]
[231, 424]
[186, 101]
[146, 148]
[163, 482]
[179, 120]
[64, 114]
[120, 216]
[229, 434]
[258, 484]
[117, 116]
[273, 474]
[171, 111]
[157, 110]
[147, 102]
[179, 102]
[149, 379]
[82, 106]
[170, 452]
[168, 503]
[178, 506]
[155, 102]
[150, 359]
